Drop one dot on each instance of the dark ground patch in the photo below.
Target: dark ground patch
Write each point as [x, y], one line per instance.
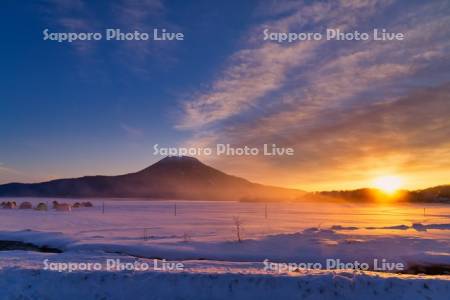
[15, 245]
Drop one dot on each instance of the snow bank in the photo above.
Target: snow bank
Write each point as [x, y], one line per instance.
[311, 245]
[39, 284]
[50, 239]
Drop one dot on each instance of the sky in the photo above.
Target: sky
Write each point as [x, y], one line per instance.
[351, 110]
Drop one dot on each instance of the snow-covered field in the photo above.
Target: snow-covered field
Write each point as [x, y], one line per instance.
[202, 236]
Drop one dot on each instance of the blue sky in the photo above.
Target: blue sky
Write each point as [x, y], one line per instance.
[353, 110]
[61, 105]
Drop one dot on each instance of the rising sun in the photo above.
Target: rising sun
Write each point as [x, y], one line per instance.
[388, 184]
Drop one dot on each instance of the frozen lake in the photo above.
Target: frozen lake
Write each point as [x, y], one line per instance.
[201, 230]
[155, 221]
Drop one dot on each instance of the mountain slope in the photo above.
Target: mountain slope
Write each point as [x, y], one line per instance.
[170, 178]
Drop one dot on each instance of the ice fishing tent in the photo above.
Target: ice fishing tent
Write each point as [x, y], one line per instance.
[63, 207]
[42, 206]
[9, 205]
[25, 205]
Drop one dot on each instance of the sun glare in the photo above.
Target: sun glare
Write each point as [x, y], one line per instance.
[388, 184]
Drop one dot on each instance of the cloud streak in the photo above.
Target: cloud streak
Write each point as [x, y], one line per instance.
[347, 107]
[128, 16]
[263, 67]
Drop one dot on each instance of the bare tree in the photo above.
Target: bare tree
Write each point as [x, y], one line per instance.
[186, 237]
[147, 235]
[238, 228]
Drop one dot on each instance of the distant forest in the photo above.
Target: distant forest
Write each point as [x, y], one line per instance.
[438, 194]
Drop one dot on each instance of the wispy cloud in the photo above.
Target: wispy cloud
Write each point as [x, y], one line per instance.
[345, 106]
[143, 16]
[71, 16]
[139, 15]
[262, 67]
[128, 16]
[8, 170]
[131, 131]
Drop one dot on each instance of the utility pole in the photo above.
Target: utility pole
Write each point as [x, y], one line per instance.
[103, 207]
[175, 209]
[265, 210]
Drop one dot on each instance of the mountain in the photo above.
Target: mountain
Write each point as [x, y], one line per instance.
[170, 178]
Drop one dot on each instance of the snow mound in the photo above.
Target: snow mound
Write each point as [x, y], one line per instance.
[39, 284]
